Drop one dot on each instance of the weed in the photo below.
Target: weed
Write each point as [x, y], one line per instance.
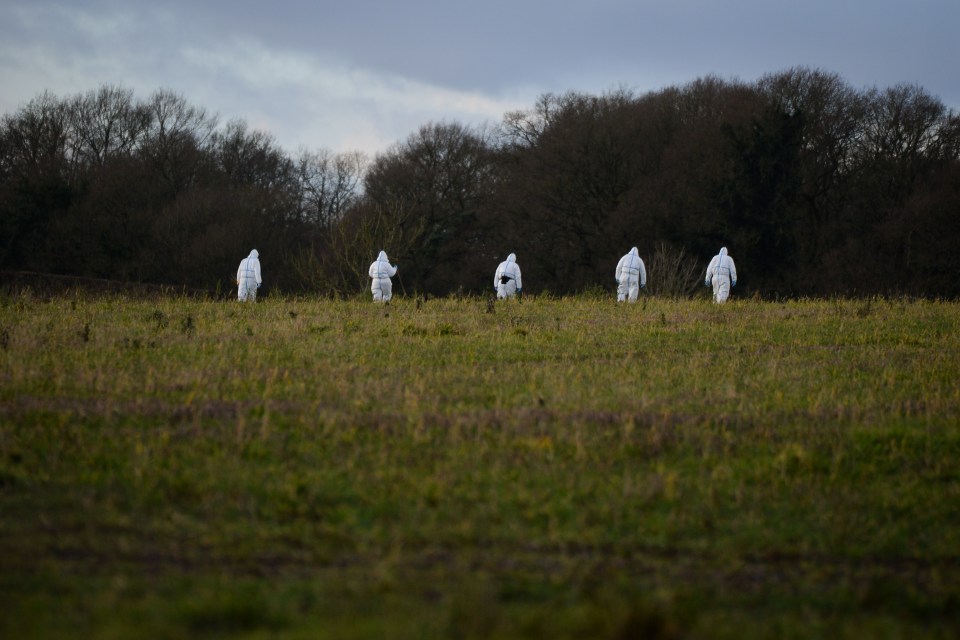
[447, 329]
[413, 330]
[159, 319]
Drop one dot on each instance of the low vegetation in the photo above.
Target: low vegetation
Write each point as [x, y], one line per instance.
[562, 468]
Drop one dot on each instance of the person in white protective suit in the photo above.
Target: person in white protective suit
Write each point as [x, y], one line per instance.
[722, 274]
[506, 281]
[631, 276]
[380, 273]
[248, 277]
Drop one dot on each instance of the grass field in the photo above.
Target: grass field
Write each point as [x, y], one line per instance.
[556, 468]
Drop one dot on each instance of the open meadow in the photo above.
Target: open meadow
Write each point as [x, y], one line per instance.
[556, 468]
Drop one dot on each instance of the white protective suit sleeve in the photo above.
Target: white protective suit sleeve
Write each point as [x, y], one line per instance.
[515, 268]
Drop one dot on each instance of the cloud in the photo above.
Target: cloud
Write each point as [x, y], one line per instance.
[368, 73]
[255, 66]
[306, 96]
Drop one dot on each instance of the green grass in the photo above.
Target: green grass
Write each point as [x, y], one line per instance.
[560, 468]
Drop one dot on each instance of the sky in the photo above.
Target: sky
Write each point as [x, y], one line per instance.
[363, 75]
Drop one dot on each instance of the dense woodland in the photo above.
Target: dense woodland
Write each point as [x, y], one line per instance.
[816, 188]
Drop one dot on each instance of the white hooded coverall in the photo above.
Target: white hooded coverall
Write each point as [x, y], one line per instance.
[380, 273]
[506, 281]
[248, 277]
[631, 276]
[722, 274]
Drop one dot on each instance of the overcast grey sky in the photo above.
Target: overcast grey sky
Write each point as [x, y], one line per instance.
[361, 75]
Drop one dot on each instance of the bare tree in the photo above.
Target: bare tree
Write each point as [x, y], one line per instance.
[106, 123]
[523, 128]
[907, 130]
[34, 179]
[35, 139]
[330, 183]
[177, 139]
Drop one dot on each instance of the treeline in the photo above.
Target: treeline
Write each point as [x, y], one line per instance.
[815, 187]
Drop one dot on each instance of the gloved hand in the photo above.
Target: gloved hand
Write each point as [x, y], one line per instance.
[643, 286]
[706, 283]
[734, 283]
[258, 285]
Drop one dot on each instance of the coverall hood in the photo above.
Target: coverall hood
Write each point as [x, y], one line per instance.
[723, 251]
[383, 257]
[254, 254]
[512, 257]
